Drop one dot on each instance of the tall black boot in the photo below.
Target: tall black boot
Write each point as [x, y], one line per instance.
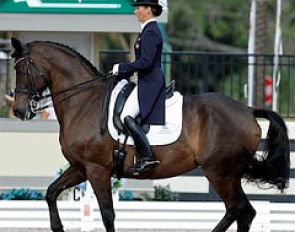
[146, 161]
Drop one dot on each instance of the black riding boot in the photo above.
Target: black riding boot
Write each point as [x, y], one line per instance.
[146, 161]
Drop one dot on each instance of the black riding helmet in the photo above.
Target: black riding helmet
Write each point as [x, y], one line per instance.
[152, 3]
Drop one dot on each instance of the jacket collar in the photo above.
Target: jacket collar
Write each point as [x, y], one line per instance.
[143, 25]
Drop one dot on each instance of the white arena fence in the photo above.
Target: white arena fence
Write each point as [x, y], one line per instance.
[85, 215]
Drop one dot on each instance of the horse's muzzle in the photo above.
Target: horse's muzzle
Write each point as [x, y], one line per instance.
[23, 112]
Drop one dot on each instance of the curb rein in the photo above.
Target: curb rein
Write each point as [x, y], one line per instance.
[34, 96]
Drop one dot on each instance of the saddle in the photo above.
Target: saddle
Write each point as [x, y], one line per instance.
[120, 102]
[119, 154]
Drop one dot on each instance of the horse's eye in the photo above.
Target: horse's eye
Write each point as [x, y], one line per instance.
[20, 71]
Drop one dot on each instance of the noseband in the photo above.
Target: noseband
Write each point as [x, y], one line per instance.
[34, 96]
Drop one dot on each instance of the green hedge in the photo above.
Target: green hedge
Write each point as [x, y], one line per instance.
[22, 194]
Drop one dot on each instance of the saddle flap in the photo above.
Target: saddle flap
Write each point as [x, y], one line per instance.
[119, 105]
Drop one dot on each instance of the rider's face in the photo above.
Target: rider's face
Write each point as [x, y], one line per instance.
[143, 13]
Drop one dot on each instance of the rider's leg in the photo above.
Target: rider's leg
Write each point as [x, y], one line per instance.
[146, 160]
[131, 106]
[130, 111]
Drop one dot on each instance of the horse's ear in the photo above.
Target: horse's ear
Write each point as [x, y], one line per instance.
[18, 46]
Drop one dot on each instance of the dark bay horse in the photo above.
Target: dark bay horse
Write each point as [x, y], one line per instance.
[219, 135]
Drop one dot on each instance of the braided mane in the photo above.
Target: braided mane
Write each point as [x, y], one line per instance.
[71, 51]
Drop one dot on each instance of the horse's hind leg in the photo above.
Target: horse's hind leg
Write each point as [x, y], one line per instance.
[238, 207]
[245, 219]
[69, 178]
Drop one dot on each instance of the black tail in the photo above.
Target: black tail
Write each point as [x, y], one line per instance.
[274, 168]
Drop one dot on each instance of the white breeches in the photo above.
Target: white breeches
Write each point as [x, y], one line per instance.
[131, 107]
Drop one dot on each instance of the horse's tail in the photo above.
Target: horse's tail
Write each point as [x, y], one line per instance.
[274, 166]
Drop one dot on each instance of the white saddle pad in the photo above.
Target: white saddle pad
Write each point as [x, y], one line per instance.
[157, 135]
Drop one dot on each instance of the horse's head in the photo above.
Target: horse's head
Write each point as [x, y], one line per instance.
[30, 81]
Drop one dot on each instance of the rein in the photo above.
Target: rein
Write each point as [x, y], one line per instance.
[72, 88]
[34, 96]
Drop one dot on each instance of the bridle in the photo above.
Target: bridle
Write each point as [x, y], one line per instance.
[34, 95]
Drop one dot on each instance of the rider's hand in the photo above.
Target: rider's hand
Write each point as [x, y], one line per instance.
[116, 69]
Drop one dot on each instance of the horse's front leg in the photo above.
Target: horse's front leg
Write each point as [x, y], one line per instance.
[68, 179]
[100, 179]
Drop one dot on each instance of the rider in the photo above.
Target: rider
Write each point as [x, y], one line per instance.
[147, 100]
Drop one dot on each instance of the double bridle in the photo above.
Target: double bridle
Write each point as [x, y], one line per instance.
[34, 95]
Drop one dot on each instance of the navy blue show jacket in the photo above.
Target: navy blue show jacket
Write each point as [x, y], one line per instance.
[151, 83]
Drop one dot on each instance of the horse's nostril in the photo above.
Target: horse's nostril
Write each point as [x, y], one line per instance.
[19, 112]
[23, 112]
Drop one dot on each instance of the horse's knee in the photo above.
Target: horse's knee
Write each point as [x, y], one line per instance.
[51, 195]
[108, 217]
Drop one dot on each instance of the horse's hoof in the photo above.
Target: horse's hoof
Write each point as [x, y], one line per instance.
[60, 229]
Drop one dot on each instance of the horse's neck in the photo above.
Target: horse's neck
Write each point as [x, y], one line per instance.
[80, 103]
[66, 71]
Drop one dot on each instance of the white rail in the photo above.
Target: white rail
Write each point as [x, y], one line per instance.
[144, 215]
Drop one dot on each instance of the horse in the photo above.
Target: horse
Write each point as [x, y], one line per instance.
[219, 135]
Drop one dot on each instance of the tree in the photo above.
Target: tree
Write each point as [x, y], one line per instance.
[223, 25]
[208, 25]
